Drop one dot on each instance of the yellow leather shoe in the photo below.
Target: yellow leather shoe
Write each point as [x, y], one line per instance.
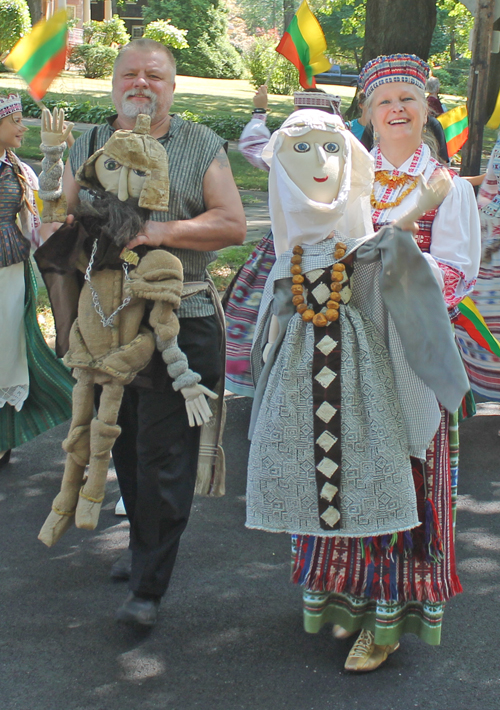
[365, 655]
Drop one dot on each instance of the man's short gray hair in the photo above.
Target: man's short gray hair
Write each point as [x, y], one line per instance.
[147, 45]
[432, 85]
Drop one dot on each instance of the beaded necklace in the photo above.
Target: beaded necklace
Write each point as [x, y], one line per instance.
[332, 306]
[385, 178]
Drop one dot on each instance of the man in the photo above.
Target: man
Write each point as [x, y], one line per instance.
[156, 454]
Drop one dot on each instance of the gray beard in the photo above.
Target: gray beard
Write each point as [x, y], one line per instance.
[132, 110]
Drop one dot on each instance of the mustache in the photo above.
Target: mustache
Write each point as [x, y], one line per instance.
[139, 92]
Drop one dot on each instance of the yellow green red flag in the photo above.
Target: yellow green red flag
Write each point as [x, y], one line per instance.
[456, 128]
[474, 324]
[304, 44]
[41, 55]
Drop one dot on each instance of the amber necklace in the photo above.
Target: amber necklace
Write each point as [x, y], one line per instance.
[332, 306]
[386, 179]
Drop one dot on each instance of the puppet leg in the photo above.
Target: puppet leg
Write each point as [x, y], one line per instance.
[103, 434]
[77, 446]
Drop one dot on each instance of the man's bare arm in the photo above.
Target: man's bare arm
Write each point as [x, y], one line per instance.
[222, 225]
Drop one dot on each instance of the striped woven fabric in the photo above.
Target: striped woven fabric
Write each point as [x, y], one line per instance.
[241, 315]
[405, 578]
[51, 385]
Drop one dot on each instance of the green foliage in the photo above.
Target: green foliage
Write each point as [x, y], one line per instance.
[85, 111]
[96, 60]
[106, 33]
[227, 126]
[15, 22]
[343, 22]
[268, 67]
[164, 32]
[227, 264]
[210, 53]
[454, 77]
[451, 34]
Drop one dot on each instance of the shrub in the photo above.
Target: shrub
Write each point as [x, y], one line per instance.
[107, 33]
[165, 33]
[268, 67]
[454, 77]
[228, 127]
[15, 22]
[95, 59]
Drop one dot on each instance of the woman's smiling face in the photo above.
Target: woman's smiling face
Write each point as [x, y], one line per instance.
[398, 113]
[314, 161]
[11, 131]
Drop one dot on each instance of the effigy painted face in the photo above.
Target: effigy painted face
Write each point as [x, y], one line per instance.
[118, 179]
[315, 162]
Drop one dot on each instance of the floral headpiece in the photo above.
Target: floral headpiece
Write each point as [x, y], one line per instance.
[391, 69]
[10, 104]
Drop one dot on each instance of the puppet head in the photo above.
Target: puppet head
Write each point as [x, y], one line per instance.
[131, 164]
[320, 180]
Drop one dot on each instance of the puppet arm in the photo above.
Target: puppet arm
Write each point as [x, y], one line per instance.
[53, 135]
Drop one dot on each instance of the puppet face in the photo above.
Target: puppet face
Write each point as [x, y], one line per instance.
[118, 179]
[314, 161]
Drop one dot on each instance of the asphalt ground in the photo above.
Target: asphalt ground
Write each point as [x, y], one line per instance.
[229, 635]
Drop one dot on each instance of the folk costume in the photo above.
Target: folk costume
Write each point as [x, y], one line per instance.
[482, 366]
[394, 576]
[35, 388]
[245, 293]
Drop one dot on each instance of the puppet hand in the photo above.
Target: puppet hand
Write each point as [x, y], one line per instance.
[197, 407]
[54, 130]
[265, 352]
[260, 98]
[433, 193]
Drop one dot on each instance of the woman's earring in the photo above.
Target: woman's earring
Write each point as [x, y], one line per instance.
[375, 136]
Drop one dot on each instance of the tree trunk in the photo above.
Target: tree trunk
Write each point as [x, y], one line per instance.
[35, 8]
[394, 26]
[289, 11]
[493, 78]
[478, 84]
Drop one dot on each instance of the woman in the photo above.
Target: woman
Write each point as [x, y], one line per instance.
[35, 388]
[482, 366]
[394, 580]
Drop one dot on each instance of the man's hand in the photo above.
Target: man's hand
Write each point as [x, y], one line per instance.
[47, 229]
[152, 235]
[54, 130]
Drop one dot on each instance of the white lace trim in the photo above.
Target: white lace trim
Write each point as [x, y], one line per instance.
[15, 396]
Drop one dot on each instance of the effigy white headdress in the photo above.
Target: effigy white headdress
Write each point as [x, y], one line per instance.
[295, 218]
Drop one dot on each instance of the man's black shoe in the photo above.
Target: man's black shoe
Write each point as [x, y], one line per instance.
[136, 610]
[122, 568]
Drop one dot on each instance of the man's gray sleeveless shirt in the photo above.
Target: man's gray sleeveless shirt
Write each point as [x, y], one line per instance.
[191, 147]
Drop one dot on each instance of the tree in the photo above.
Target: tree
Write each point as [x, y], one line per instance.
[210, 52]
[451, 34]
[36, 10]
[343, 22]
[394, 26]
[14, 23]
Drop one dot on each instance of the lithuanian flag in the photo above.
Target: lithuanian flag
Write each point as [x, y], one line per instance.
[474, 324]
[40, 56]
[494, 121]
[456, 128]
[304, 45]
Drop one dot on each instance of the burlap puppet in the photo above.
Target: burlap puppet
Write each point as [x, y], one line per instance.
[109, 343]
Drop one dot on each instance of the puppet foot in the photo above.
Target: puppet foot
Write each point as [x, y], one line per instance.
[54, 527]
[87, 513]
[136, 610]
[365, 655]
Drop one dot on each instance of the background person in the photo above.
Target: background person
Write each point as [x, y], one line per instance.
[35, 388]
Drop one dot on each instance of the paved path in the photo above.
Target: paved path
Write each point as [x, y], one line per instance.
[229, 636]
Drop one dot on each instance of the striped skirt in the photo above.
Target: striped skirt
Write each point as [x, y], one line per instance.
[390, 587]
[49, 400]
